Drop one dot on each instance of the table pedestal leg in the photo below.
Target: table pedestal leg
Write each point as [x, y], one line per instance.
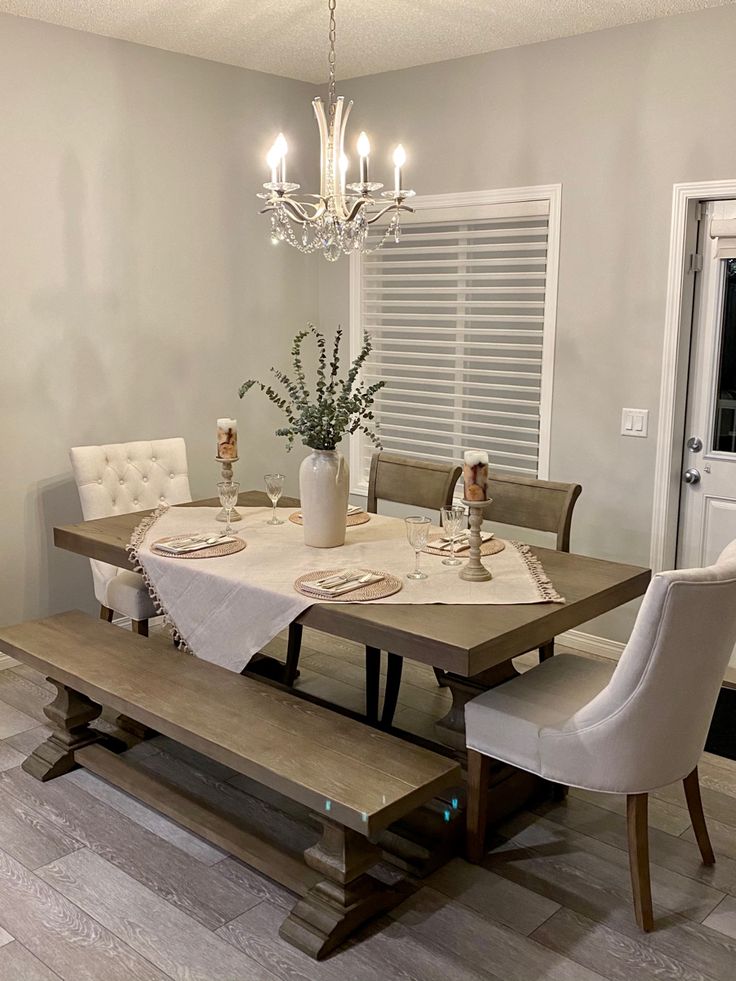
[70, 714]
[451, 728]
[344, 899]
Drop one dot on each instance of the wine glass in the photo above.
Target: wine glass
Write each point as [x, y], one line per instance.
[228, 491]
[452, 521]
[274, 489]
[417, 531]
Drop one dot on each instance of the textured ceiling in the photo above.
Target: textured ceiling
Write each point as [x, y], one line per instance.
[288, 37]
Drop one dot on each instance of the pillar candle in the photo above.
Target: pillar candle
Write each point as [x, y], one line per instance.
[475, 475]
[227, 439]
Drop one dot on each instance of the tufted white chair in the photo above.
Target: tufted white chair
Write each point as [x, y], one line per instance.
[624, 729]
[117, 479]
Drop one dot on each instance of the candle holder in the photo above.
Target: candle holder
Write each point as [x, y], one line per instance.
[474, 570]
[227, 475]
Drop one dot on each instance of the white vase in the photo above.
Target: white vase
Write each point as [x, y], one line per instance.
[324, 483]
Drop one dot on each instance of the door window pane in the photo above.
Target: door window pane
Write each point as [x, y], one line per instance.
[724, 437]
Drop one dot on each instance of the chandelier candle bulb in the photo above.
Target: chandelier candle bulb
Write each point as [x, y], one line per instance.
[281, 147]
[227, 439]
[475, 475]
[273, 159]
[399, 161]
[364, 149]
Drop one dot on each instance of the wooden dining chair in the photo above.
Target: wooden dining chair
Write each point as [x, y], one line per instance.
[118, 478]
[417, 483]
[541, 505]
[627, 728]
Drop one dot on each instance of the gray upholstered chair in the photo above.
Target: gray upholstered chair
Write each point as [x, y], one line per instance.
[624, 729]
[418, 483]
[117, 479]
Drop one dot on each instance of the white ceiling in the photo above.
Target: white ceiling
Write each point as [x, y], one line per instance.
[288, 37]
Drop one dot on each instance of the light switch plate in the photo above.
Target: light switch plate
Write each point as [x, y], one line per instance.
[635, 422]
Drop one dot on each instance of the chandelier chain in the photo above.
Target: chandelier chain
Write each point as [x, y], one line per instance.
[332, 91]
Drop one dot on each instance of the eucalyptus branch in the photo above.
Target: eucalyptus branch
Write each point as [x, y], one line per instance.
[340, 406]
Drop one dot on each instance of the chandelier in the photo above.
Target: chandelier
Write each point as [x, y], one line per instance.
[335, 221]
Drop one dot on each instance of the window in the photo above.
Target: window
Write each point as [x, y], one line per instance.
[461, 312]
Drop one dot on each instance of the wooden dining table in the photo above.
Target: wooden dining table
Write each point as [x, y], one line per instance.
[473, 645]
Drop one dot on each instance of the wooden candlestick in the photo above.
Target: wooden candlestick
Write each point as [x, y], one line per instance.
[227, 475]
[474, 570]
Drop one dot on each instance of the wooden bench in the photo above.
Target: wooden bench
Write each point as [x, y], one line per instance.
[355, 779]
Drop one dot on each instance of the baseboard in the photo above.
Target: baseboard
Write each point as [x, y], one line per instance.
[578, 640]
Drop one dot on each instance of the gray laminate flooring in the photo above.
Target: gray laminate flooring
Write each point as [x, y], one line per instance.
[95, 886]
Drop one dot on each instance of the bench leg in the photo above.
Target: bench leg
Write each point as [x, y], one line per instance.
[345, 899]
[69, 714]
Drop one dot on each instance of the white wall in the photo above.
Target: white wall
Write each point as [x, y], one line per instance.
[138, 287]
[617, 117]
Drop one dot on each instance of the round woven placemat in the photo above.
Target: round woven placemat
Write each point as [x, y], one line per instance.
[212, 552]
[352, 519]
[372, 591]
[493, 547]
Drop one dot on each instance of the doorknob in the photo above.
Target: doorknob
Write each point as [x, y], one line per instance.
[691, 476]
[695, 444]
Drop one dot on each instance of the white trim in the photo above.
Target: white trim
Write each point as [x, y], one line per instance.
[578, 640]
[673, 387]
[552, 193]
[549, 329]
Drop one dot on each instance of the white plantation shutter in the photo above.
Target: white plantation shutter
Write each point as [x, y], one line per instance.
[460, 312]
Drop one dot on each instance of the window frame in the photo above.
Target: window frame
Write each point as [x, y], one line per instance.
[464, 206]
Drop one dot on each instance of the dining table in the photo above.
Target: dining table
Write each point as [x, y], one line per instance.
[474, 646]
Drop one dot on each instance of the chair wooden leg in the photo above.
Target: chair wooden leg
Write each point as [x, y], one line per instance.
[139, 627]
[546, 651]
[695, 806]
[293, 650]
[106, 613]
[372, 682]
[638, 832]
[394, 668]
[477, 806]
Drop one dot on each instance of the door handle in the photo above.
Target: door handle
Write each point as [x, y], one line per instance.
[691, 476]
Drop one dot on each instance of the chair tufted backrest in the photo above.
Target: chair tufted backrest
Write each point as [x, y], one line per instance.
[122, 477]
[647, 728]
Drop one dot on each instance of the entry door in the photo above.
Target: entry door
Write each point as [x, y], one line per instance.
[708, 495]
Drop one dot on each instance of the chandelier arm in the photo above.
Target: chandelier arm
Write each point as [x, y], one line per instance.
[337, 150]
[296, 210]
[389, 207]
[324, 143]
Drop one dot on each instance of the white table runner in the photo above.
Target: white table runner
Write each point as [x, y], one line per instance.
[226, 609]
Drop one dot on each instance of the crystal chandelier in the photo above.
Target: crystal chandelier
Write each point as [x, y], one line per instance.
[335, 221]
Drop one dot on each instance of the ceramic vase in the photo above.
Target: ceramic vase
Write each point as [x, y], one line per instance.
[324, 483]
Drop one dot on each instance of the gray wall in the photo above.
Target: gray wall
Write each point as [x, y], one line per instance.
[138, 287]
[617, 117]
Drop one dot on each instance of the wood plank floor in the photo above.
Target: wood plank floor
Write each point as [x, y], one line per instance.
[95, 886]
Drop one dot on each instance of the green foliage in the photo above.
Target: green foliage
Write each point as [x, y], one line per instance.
[339, 405]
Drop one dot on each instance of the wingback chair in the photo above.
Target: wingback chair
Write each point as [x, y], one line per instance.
[420, 483]
[623, 729]
[117, 479]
